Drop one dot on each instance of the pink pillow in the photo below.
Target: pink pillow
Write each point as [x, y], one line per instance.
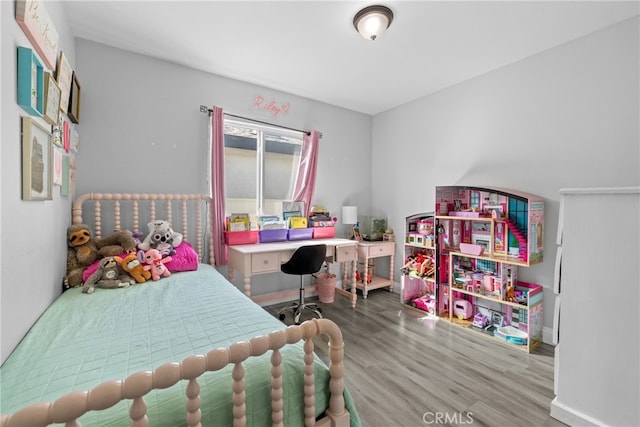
[185, 259]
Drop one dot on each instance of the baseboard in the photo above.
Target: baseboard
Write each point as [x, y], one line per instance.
[570, 416]
[288, 295]
[547, 335]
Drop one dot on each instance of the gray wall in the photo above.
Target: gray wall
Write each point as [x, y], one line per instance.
[33, 233]
[567, 117]
[142, 131]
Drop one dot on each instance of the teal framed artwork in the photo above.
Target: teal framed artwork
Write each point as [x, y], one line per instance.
[30, 82]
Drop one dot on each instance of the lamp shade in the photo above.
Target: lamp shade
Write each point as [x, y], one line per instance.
[371, 22]
[349, 214]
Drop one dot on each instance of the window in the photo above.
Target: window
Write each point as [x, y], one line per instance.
[261, 165]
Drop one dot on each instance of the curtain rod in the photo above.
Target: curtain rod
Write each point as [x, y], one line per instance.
[205, 109]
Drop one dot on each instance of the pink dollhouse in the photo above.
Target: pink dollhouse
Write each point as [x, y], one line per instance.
[482, 236]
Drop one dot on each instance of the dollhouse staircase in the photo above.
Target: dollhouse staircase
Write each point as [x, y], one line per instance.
[522, 239]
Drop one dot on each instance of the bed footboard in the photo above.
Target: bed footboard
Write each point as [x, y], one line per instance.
[68, 408]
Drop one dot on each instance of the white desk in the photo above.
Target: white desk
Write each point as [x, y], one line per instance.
[260, 258]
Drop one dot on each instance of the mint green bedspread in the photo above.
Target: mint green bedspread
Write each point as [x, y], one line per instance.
[83, 340]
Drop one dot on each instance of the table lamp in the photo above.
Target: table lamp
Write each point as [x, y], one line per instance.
[350, 217]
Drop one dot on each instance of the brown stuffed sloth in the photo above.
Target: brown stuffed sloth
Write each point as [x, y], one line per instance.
[107, 276]
[84, 250]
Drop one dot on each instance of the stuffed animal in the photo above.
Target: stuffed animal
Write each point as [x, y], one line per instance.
[161, 237]
[155, 264]
[132, 265]
[84, 250]
[107, 276]
[511, 293]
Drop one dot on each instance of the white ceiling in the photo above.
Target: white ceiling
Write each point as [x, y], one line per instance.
[311, 49]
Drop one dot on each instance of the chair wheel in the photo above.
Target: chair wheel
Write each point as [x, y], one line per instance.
[320, 309]
[281, 316]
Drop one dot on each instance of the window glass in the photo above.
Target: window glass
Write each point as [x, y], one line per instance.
[260, 168]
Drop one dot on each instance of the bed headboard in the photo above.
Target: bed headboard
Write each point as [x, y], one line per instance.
[106, 212]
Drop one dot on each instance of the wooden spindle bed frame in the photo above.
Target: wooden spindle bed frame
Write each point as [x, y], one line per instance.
[68, 408]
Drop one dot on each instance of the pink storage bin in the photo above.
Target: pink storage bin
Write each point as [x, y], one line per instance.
[324, 232]
[240, 237]
[300, 234]
[268, 236]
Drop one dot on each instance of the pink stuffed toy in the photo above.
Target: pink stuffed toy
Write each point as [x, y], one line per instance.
[155, 263]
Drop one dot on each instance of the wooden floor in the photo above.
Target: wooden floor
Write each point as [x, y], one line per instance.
[405, 369]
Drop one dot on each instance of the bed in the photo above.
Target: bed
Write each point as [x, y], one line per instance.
[189, 349]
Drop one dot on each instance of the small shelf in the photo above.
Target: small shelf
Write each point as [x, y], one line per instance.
[466, 218]
[413, 245]
[376, 282]
[490, 298]
[495, 258]
[522, 347]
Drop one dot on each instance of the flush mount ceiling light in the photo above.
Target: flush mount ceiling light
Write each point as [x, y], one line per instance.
[372, 21]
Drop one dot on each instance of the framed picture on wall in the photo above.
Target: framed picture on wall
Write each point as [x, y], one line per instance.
[64, 74]
[51, 99]
[56, 178]
[74, 100]
[36, 161]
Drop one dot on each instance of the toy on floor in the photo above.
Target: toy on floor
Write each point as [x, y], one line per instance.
[155, 264]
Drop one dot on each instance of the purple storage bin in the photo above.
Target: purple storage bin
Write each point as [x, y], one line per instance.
[267, 236]
[300, 234]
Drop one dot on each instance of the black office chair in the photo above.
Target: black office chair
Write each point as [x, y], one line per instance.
[305, 260]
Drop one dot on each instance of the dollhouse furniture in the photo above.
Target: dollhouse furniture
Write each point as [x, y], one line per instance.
[189, 349]
[368, 251]
[262, 258]
[596, 370]
[306, 260]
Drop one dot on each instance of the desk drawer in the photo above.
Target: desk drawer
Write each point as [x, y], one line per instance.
[345, 253]
[374, 251]
[265, 262]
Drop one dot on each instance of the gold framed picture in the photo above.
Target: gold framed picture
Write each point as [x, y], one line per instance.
[52, 99]
[37, 153]
[74, 100]
[64, 73]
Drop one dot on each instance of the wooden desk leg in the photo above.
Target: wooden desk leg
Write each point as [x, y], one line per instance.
[365, 278]
[354, 295]
[344, 276]
[391, 272]
[247, 285]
